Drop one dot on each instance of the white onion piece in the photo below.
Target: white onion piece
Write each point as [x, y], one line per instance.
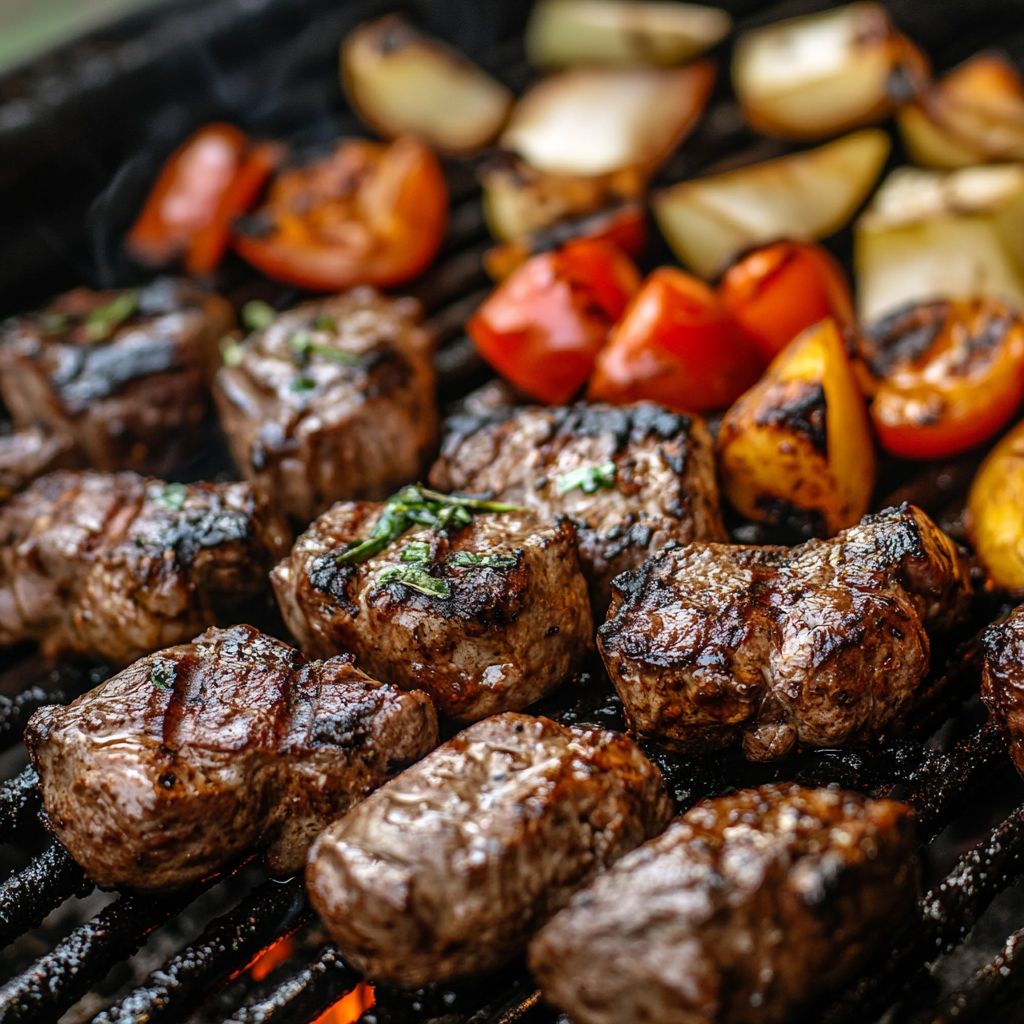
[562, 33]
[709, 221]
[402, 82]
[591, 121]
[931, 235]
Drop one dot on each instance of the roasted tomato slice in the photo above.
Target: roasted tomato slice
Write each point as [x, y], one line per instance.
[676, 345]
[214, 177]
[778, 291]
[950, 375]
[368, 213]
[542, 327]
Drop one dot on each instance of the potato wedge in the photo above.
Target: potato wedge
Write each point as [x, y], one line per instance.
[994, 521]
[594, 121]
[561, 33]
[402, 82]
[972, 115]
[930, 235]
[810, 77]
[709, 221]
[796, 449]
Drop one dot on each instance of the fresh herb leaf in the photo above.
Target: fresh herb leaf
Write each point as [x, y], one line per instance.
[172, 497]
[471, 560]
[101, 323]
[416, 552]
[302, 384]
[258, 315]
[162, 675]
[587, 478]
[325, 323]
[54, 323]
[231, 352]
[303, 346]
[416, 578]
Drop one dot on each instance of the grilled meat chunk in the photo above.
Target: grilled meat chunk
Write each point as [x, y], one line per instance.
[115, 566]
[448, 869]
[631, 478]
[124, 374]
[199, 753]
[31, 453]
[826, 643]
[332, 401]
[1002, 680]
[490, 617]
[748, 907]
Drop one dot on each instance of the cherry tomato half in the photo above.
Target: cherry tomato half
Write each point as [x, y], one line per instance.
[676, 345]
[214, 177]
[368, 213]
[542, 327]
[951, 375]
[776, 292]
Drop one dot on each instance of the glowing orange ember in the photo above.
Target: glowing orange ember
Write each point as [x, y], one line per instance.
[349, 1008]
[271, 957]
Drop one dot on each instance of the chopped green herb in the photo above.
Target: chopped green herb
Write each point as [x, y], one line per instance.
[257, 315]
[303, 346]
[162, 675]
[302, 384]
[587, 478]
[470, 560]
[416, 552]
[231, 352]
[300, 342]
[54, 323]
[172, 497]
[416, 578]
[101, 323]
[325, 323]
[414, 505]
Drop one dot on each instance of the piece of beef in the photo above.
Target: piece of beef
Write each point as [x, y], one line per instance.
[448, 869]
[745, 910]
[508, 620]
[631, 477]
[31, 453]
[334, 400]
[115, 566]
[826, 643]
[126, 375]
[198, 754]
[1002, 680]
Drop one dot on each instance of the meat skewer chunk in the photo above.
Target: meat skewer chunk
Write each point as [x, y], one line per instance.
[485, 617]
[202, 752]
[826, 643]
[1002, 680]
[114, 566]
[31, 453]
[125, 375]
[332, 401]
[448, 869]
[631, 478]
[745, 910]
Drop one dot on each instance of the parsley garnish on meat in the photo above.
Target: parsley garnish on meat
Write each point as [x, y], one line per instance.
[303, 346]
[587, 478]
[162, 675]
[470, 560]
[258, 315]
[103, 321]
[172, 497]
[416, 577]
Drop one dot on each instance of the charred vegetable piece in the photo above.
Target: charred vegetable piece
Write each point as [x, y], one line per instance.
[778, 291]
[710, 221]
[212, 178]
[810, 77]
[675, 345]
[796, 449]
[402, 82]
[365, 214]
[542, 327]
[949, 376]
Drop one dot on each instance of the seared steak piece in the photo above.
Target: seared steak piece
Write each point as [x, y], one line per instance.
[747, 908]
[199, 753]
[448, 869]
[630, 478]
[114, 566]
[490, 617]
[334, 400]
[124, 374]
[30, 453]
[1002, 680]
[826, 643]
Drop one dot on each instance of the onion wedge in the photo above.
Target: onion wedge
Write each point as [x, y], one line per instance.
[709, 221]
[931, 235]
[562, 33]
[402, 82]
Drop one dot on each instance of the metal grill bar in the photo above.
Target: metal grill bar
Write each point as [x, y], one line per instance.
[27, 897]
[20, 802]
[227, 946]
